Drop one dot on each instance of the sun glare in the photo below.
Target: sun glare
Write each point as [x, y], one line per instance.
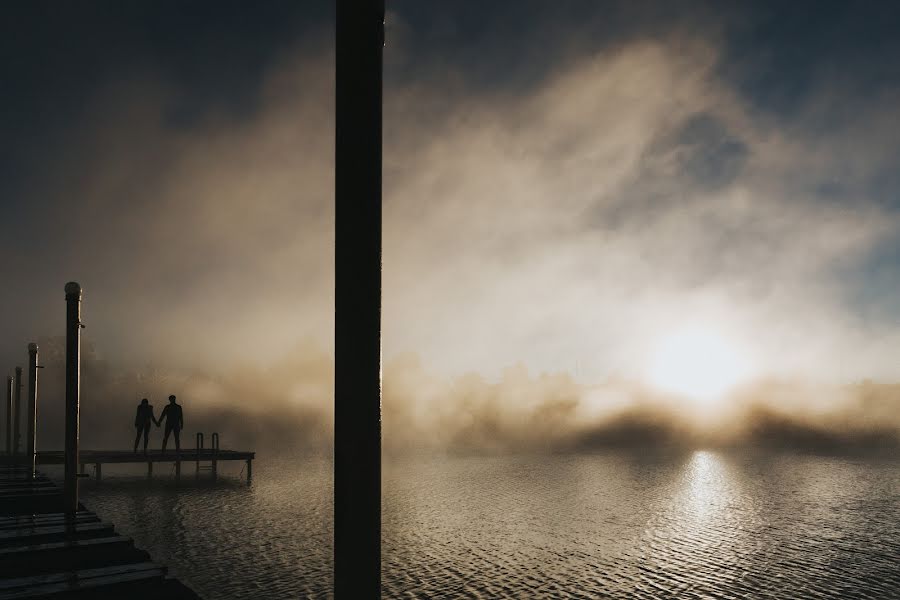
[698, 363]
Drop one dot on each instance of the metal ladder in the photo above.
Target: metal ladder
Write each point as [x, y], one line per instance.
[213, 466]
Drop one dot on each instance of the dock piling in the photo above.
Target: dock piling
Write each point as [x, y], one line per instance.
[17, 424]
[199, 439]
[215, 450]
[9, 416]
[31, 440]
[73, 396]
[359, 44]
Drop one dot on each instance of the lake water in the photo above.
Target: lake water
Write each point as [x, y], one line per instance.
[615, 525]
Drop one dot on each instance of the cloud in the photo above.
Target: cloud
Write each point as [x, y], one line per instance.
[576, 220]
[634, 188]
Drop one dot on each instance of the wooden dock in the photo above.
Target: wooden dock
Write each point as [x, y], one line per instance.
[51, 546]
[45, 553]
[203, 459]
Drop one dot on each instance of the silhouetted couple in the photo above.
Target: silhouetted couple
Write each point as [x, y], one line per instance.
[174, 423]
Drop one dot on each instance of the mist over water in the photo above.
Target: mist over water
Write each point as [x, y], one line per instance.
[532, 485]
[612, 524]
[287, 404]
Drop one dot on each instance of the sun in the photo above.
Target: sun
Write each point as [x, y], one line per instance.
[697, 362]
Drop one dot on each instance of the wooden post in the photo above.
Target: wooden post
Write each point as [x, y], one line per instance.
[98, 469]
[249, 471]
[17, 423]
[73, 396]
[177, 469]
[357, 327]
[214, 465]
[199, 444]
[31, 439]
[9, 416]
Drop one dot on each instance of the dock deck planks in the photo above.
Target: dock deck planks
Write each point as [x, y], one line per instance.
[44, 554]
[55, 457]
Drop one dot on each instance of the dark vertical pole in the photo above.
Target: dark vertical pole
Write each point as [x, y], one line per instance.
[9, 415]
[357, 327]
[31, 439]
[73, 395]
[17, 423]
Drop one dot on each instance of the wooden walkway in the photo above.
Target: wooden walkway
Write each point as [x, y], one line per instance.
[45, 554]
[203, 459]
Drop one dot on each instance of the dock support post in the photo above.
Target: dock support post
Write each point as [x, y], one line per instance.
[73, 396]
[17, 424]
[98, 469]
[249, 471]
[149, 469]
[31, 439]
[199, 443]
[9, 416]
[357, 320]
[214, 466]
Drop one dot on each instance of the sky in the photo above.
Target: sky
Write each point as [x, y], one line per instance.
[572, 186]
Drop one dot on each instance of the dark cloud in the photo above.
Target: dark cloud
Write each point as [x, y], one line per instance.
[714, 155]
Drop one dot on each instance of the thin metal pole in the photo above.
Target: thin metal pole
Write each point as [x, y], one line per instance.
[9, 416]
[73, 395]
[17, 423]
[357, 327]
[31, 441]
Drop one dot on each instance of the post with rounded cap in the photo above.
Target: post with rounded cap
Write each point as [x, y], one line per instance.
[357, 299]
[17, 424]
[31, 441]
[9, 415]
[73, 395]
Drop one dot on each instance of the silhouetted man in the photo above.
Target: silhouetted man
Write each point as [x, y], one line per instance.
[174, 423]
[142, 421]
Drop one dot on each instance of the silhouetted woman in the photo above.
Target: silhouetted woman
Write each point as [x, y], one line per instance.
[142, 421]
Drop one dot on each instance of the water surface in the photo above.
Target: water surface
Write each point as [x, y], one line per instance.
[613, 525]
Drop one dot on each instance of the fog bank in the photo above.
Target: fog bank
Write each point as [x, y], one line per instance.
[286, 405]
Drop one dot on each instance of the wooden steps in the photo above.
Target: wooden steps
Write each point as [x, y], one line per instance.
[46, 554]
[43, 520]
[20, 561]
[44, 534]
[133, 579]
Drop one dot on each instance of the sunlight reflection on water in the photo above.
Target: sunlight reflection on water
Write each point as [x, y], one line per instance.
[618, 524]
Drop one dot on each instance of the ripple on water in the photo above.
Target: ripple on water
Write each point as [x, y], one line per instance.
[614, 525]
